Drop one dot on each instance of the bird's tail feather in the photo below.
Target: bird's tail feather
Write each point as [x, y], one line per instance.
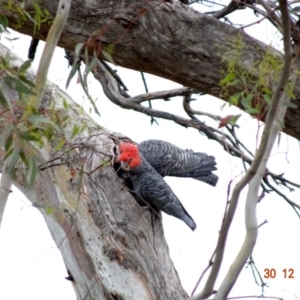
[189, 222]
[208, 162]
[207, 165]
[210, 179]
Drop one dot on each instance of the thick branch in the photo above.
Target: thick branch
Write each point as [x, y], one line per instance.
[167, 39]
[109, 252]
[51, 43]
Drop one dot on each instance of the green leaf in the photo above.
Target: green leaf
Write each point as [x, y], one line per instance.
[110, 49]
[267, 98]
[26, 64]
[290, 105]
[9, 153]
[49, 210]
[37, 8]
[252, 110]
[29, 17]
[89, 68]
[75, 131]
[290, 93]
[88, 96]
[83, 127]
[40, 119]
[108, 57]
[24, 157]
[73, 71]
[29, 136]
[16, 84]
[234, 99]
[14, 159]
[65, 104]
[75, 66]
[26, 80]
[233, 82]
[32, 171]
[8, 142]
[37, 24]
[86, 56]
[244, 102]
[233, 119]
[5, 101]
[229, 77]
[59, 145]
[247, 101]
[267, 90]
[78, 50]
[3, 23]
[80, 173]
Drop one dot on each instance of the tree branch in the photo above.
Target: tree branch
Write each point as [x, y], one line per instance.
[53, 36]
[111, 90]
[230, 143]
[40, 80]
[93, 219]
[230, 8]
[196, 67]
[255, 173]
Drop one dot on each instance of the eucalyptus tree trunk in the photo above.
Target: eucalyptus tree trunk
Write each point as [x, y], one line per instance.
[164, 38]
[112, 248]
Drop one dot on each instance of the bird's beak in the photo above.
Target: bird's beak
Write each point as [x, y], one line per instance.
[125, 166]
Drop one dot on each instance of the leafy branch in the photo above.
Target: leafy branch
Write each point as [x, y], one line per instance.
[253, 176]
[31, 128]
[257, 102]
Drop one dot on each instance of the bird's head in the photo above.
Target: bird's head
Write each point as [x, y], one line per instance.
[129, 156]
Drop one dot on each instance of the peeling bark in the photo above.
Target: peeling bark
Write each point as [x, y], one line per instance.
[164, 38]
[112, 248]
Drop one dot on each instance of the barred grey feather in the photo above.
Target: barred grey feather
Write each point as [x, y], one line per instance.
[153, 189]
[170, 160]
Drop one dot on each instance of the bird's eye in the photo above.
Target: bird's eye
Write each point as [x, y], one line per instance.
[130, 159]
